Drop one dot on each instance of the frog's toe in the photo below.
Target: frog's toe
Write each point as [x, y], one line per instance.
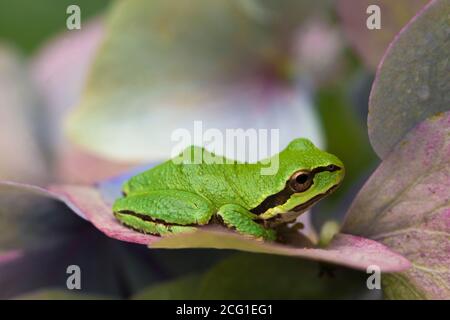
[151, 227]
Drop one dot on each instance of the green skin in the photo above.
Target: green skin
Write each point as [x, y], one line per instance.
[173, 198]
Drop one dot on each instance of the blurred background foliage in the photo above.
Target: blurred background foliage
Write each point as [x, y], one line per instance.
[27, 24]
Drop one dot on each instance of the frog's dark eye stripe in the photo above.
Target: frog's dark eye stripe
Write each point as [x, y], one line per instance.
[303, 177]
[329, 168]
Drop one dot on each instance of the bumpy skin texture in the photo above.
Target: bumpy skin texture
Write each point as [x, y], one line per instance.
[176, 197]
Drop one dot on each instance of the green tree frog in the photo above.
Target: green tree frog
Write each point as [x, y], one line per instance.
[178, 197]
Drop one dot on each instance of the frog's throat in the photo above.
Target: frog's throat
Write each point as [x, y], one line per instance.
[284, 195]
[292, 215]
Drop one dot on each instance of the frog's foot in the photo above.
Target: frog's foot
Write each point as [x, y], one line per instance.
[151, 227]
[243, 221]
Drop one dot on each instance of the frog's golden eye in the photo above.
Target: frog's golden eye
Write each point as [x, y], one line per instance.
[301, 181]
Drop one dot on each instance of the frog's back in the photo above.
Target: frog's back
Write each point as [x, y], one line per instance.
[214, 181]
[159, 177]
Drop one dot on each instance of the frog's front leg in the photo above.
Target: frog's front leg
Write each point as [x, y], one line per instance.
[163, 212]
[239, 218]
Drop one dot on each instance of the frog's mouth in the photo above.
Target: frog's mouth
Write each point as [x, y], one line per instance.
[292, 215]
[304, 206]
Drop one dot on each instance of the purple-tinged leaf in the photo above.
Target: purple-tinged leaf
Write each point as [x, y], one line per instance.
[412, 81]
[30, 218]
[406, 206]
[87, 202]
[40, 236]
[100, 258]
[58, 71]
[346, 250]
[21, 159]
[354, 252]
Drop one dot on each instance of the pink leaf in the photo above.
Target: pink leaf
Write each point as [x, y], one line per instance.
[346, 250]
[406, 206]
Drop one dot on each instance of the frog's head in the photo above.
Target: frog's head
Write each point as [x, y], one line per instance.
[306, 174]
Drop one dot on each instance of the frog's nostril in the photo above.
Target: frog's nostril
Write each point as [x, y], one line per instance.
[332, 167]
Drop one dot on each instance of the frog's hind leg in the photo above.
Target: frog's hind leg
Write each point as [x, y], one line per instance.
[239, 218]
[151, 227]
[163, 212]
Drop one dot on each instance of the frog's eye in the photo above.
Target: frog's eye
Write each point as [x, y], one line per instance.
[301, 181]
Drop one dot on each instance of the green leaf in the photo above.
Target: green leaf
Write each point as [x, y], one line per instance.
[261, 276]
[183, 288]
[257, 276]
[406, 206]
[58, 294]
[44, 18]
[412, 81]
